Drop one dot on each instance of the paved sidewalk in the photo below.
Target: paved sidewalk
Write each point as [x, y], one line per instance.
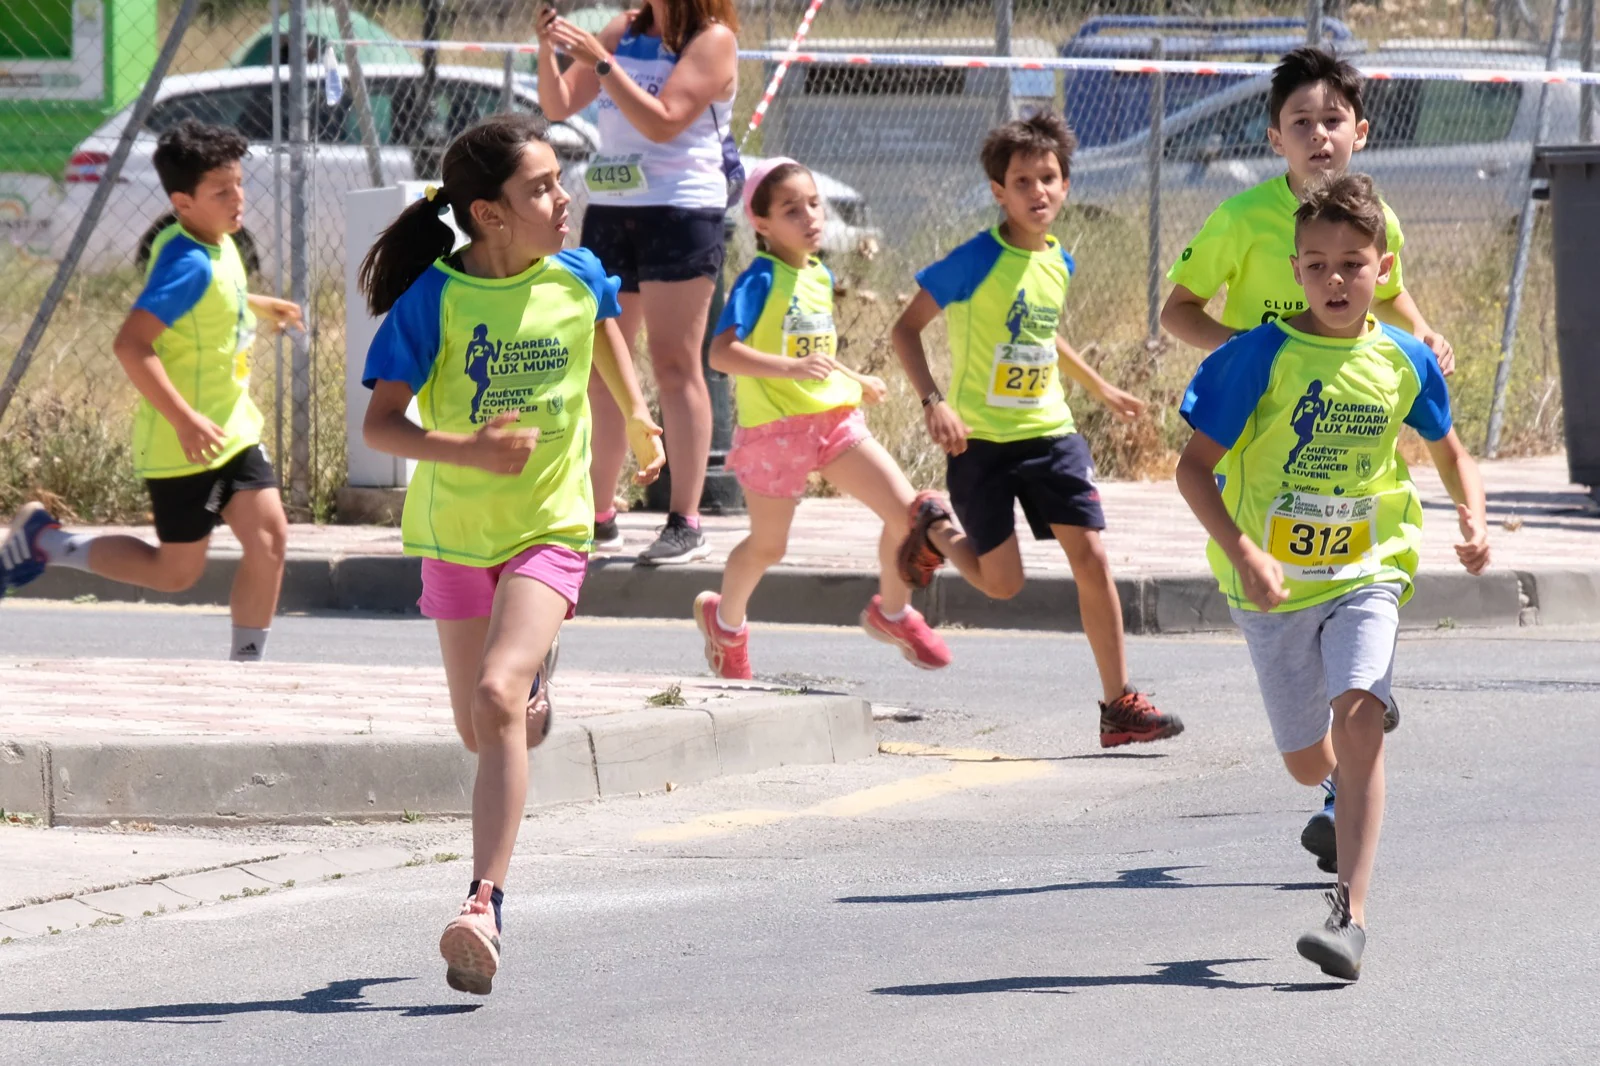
[89, 741]
[1540, 525]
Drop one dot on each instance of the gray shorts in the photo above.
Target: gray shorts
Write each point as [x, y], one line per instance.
[1306, 659]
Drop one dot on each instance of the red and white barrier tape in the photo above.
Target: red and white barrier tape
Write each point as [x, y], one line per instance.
[1118, 66]
[783, 68]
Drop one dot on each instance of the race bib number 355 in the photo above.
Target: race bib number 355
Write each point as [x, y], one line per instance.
[1022, 374]
[616, 174]
[808, 334]
[1323, 538]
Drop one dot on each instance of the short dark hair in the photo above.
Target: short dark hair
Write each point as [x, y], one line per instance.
[1345, 198]
[191, 149]
[1044, 131]
[1308, 65]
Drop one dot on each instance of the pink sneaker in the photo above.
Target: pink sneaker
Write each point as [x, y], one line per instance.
[471, 945]
[922, 647]
[728, 654]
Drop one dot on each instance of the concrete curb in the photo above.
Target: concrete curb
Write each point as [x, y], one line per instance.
[209, 780]
[616, 588]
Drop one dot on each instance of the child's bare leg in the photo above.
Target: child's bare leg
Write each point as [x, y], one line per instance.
[461, 644]
[870, 474]
[1098, 605]
[257, 520]
[753, 556]
[1358, 745]
[162, 567]
[527, 615]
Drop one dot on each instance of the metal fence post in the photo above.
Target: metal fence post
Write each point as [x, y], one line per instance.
[299, 265]
[1519, 266]
[1158, 112]
[1586, 94]
[97, 206]
[508, 84]
[277, 226]
[358, 93]
[1314, 22]
[1002, 47]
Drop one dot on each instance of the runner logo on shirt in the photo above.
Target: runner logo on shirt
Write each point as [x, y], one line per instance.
[509, 374]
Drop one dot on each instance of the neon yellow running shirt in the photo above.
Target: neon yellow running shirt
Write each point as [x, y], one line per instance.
[1312, 474]
[199, 292]
[1245, 246]
[472, 348]
[1001, 307]
[779, 310]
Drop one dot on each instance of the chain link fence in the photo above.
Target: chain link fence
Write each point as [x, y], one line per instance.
[894, 146]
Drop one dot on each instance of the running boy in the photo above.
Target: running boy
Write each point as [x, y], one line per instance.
[1006, 426]
[197, 435]
[799, 413]
[1315, 119]
[495, 342]
[1314, 540]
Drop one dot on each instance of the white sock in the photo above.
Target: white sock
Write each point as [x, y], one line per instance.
[726, 628]
[249, 645]
[65, 549]
[896, 616]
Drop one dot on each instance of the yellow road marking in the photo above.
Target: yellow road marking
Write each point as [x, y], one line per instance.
[971, 769]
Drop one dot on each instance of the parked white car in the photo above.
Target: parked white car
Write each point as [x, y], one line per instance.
[412, 132]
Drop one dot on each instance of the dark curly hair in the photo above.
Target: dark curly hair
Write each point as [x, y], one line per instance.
[1308, 65]
[1044, 131]
[1348, 199]
[189, 150]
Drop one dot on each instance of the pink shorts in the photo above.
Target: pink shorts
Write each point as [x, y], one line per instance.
[453, 592]
[776, 458]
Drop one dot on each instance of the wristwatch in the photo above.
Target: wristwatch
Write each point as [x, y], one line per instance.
[602, 68]
[932, 398]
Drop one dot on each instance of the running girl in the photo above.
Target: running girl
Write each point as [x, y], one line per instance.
[495, 342]
[799, 412]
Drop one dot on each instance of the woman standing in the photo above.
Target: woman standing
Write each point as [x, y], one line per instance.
[665, 76]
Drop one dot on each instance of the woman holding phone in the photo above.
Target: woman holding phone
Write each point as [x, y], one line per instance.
[665, 76]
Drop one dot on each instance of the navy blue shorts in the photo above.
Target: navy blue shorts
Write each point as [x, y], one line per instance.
[1053, 477]
[654, 243]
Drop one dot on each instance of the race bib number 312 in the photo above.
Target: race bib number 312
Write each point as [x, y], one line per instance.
[1323, 538]
[1022, 374]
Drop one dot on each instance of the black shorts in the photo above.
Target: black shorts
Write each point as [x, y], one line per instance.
[655, 243]
[188, 508]
[1052, 476]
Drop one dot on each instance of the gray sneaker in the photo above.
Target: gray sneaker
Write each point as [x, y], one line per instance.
[541, 716]
[1391, 716]
[1338, 945]
[679, 542]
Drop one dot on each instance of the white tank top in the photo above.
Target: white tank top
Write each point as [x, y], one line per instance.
[695, 169]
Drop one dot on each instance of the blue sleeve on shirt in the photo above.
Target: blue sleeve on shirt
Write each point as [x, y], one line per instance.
[408, 341]
[747, 300]
[1229, 385]
[957, 276]
[1072, 264]
[588, 269]
[180, 277]
[1430, 411]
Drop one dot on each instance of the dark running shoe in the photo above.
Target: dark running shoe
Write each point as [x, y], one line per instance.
[1338, 945]
[679, 542]
[1391, 716]
[607, 537]
[541, 715]
[1133, 719]
[1318, 836]
[918, 559]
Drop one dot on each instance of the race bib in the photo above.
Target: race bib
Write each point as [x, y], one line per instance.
[1022, 373]
[1323, 538]
[618, 173]
[808, 334]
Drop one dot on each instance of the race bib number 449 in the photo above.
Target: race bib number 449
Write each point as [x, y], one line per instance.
[1022, 374]
[1323, 538]
[616, 174]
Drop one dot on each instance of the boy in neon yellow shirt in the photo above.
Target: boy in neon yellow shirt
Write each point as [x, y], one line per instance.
[197, 435]
[1316, 120]
[1006, 425]
[1314, 540]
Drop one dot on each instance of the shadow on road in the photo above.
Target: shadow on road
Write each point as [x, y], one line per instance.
[1156, 877]
[1195, 973]
[338, 997]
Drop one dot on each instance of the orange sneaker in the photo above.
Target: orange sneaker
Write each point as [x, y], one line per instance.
[727, 653]
[1132, 719]
[918, 559]
[471, 944]
[922, 647]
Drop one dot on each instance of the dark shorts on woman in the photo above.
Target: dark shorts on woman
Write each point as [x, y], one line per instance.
[655, 243]
[1053, 477]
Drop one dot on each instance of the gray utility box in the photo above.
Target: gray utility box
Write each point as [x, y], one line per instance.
[1573, 171]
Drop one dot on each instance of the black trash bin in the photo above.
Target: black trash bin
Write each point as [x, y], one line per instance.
[1573, 171]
